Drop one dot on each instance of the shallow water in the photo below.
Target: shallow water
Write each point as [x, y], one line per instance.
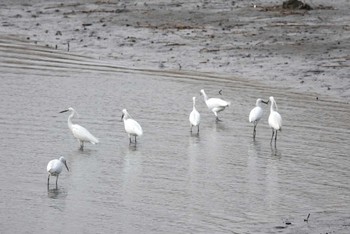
[172, 181]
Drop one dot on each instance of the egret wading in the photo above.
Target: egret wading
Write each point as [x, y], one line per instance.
[54, 168]
[132, 127]
[275, 119]
[256, 114]
[195, 117]
[79, 132]
[216, 105]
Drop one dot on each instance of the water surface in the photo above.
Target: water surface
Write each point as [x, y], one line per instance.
[172, 181]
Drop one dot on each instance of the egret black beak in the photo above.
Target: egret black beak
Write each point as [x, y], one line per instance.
[64, 111]
[66, 166]
[122, 117]
[265, 102]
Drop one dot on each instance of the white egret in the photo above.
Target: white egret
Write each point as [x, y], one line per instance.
[132, 127]
[79, 132]
[195, 117]
[275, 119]
[215, 104]
[54, 168]
[256, 113]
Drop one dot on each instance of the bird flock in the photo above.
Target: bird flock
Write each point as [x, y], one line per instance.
[275, 119]
[134, 129]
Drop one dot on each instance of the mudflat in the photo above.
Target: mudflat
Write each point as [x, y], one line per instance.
[300, 50]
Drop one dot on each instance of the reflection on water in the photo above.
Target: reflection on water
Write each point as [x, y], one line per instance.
[171, 181]
[52, 193]
[132, 147]
[219, 126]
[194, 138]
[57, 193]
[275, 151]
[57, 198]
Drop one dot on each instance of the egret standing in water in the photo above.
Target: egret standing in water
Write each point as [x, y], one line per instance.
[54, 168]
[216, 105]
[79, 132]
[132, 127]
[275, 119]
[195, 117]
[256, 113]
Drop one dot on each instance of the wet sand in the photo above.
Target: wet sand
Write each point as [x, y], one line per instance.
[302, 51]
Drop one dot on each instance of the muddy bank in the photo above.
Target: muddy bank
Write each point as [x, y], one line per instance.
[296, 49]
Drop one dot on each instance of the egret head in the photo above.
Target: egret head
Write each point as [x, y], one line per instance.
[64, 111]
[259, 100]
[125, 114]
[63, 160]
[202, 91]
[69, 109]
[74, 112]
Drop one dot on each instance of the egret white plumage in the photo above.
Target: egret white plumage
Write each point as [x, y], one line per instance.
[79, 132]
[54, 168]
[256, 113]
[195, 117]
[132, 127]
[275, 119]
[216, 105]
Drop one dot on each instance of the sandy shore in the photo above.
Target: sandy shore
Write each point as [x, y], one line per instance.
[304, 51]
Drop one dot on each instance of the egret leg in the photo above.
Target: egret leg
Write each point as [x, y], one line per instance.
[48, 180]
[130, 140]
[191, 128]
[56, 181]
[276, 136]
[81, 145]
[217, 117]
[254, 131]
[197, 129]
[135, 139]
[273, 132]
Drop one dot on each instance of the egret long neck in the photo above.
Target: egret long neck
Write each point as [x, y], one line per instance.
[258, 103]
[272, 108]
[205, 96]
[126, 116]
[194, 104]
[70, 124]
